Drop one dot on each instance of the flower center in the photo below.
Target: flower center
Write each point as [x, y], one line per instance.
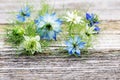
[74, 45]
[87, 34]
[48, 26]
[33, 44]
[23, 14]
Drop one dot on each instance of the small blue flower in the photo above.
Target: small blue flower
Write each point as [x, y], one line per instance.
[23, 14]
[92, 19]
[48, 26]
[74, 45]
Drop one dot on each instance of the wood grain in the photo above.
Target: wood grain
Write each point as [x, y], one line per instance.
[107, 9]
[102, 64]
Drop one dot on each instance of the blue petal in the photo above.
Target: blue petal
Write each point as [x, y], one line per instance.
[68, 43]
[53, 14]
[41, 18]
[21, 11]
[40, 24]
[81, 45]
[70, 50]
[88, 16]
[54, 37]
[20, 18]
[59, 21]
[43, 34]
[92, 16]
[77, 39]
[46, 36]
[46, 15]
[36, 21]
[27, 14]
[96, 22]
[26, 8]
[78, 52]
[73, 50]
[97, 28]
[71, 40]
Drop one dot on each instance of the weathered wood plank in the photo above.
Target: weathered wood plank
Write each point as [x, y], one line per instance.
[102, 64]
[94, 67]
[107, 9]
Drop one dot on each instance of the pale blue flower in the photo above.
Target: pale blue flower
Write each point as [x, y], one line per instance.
[23, 14]
[48, 26]
[74, 45]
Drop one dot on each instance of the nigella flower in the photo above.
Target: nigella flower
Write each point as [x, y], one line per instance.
[31, 44]
[74, 45]
[92, 19]
[89, 30]
[73, 17]
[23, 14]
[48, 26]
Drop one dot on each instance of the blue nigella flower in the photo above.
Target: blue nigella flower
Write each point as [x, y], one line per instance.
[23, 14]
[74, 45]
[48, 26]
[92, 19]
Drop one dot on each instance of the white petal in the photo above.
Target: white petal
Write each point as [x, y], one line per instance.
[26, 38]
[37, 38]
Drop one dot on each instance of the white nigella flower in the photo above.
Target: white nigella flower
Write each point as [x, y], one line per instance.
[73, 17]
[32, 44]
[89, 30]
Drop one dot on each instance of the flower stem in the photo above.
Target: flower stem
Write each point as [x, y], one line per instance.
[70, 29]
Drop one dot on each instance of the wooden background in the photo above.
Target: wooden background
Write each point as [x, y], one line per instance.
[102, 64]
[106, 9]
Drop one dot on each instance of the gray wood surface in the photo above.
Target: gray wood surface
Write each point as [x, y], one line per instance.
[102, 64]
[106, 9]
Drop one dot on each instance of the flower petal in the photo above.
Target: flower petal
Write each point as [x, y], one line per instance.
[20, 18]
[68, 43]
[70, 50]
[26, 38]
[81, 45]
[37, 38]
[96, 28]
[78, 52]
[51, 34]
[88, 16]
[77, 39]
